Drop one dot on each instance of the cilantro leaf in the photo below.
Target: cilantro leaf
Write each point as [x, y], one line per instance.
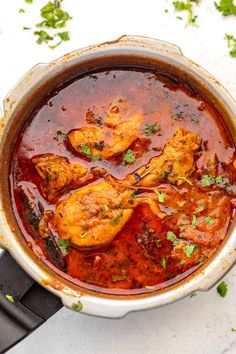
[151, 129]
[115, 220]
[129, 156]
[189, 249]
[21, 11]
[207, 180]
[226, 7]
[85, 150]
[77, 306]
[29, 1]
[163, 262]
[160, 195]
[54, 16]
[231, 44]
[222, 289]
[9, 298]
[43, 36]
[171, 236]
[194, 221]
[209, 220]
[64, 245]
[186, 6]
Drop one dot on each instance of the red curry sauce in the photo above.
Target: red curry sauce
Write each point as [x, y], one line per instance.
[142, 255]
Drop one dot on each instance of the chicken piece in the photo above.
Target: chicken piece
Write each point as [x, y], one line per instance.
[58, 174]
[114, 138]
[93, 215]
[175, 164]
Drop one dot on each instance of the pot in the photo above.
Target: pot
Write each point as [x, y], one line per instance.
[126, 51]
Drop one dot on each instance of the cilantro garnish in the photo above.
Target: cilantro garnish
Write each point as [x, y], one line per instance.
[207, 180]
[231, 44]
[219, 179]
[129, 156]
[85, 149]
[171, 236]
[21, 11]
[226, 7]
[189, 249]
[53, 15]
[43, 36]
[188, 7]
[163, 262]
[222, 289]
[209, 220]
[151, 129]
[77, 306]
[160, 195]
[64, 245]
[9, 298]
[115, 220]
[29, 1]
[105, 208]
[194, 221]
[84, 235]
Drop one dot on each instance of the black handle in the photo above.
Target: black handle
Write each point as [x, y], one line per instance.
[32, 305]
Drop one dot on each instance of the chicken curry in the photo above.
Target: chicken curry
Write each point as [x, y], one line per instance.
[124, 180]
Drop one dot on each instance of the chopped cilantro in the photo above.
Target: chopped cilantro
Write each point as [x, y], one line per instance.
[186, 180]
[182, 227]
[129, 156]
[64, 245]
[64, 35]
[29, 1]
[194, 221]
[200, 259]
[115, 220]
[77, 306]
[26, 28]
[9, 298]
[105, 208]
[84, 235]
[171, 236]
[200, 208]
[193, 295]
[233, 329]
[160, 195]
[21, 11]
[209, 220]
[43, 36]
[186, 6]
[53, 15]
[222, 289]
[84, 227]
[207, 180]
[189, 249]
[151, 129]
[231, 44]
[226, 7]
[219, 179]
[96, 158]
[85, 149]
[163, 262]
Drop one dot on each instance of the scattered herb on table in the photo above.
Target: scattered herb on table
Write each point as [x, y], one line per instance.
[29, 1]
[231, 40]
[222, 289]
[129, 156]
[54, 16]
[9, 298]
[21, 11]
[226, 7]
[77, 306]
[233, 329]
[193, 295]
[188, 7]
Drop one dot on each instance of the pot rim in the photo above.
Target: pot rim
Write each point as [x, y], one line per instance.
[117, 306]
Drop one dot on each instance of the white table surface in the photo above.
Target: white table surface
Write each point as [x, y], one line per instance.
[198, 325]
